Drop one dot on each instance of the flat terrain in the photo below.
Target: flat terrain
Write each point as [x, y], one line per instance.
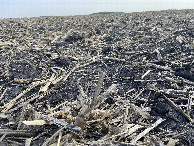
[98, 79]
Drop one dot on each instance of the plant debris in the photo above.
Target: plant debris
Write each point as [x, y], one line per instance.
[109, 79]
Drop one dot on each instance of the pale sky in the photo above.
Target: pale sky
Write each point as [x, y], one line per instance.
[36, 8]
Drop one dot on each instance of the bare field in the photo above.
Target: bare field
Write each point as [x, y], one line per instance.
[116, 79]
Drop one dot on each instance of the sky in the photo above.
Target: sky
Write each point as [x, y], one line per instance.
[36, 8]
